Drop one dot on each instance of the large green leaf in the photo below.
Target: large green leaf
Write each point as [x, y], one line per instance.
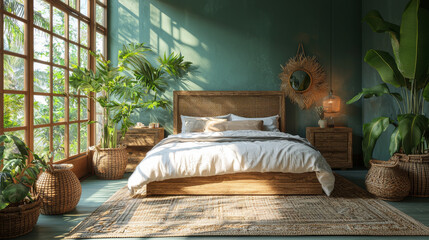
[15, 192]
[3, 202]
[411, 128]
[386, 67]
[377, 90]
[371, 133]
[395, 142]
[414, 45]
[426, 92]
[379, 25]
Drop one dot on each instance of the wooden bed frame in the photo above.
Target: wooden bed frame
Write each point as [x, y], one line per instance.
[246, 104]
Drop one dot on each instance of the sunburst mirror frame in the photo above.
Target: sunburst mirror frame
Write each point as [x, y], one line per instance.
[318, 86]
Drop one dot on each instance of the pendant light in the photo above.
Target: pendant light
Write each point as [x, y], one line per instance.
[331, 103]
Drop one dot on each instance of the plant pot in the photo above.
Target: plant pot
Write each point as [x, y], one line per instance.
[386, 181]
[322, 123]
[59, 189]
[110, 163]
[18, 221]
[417, 169]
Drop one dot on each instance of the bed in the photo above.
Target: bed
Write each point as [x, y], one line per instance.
[248, 104]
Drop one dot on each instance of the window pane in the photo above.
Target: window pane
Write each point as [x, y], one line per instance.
[10, 147]
[41, 45]
[83, 33]
[100, 43]
[13, 110]
[58, 78]
[41, 110]
[15, 7]
[41, 141]
[72, 3]
[59, 109]
[83, 108]
[73, 136]
[73, 55]
[14, 72]
[41, 14]
[13, 36]
[41, 78]
[83, 58]
[73, 28]
[73, 109]
[58, 141]
[71, 89]
[83, 138]
[99, 15]
[59, 51]
[59, 22]
[84, 7]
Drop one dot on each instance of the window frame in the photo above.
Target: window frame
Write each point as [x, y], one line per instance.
[29, 93]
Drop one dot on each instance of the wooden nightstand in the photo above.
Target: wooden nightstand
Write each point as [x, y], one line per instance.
[335, 144]
[139, 141]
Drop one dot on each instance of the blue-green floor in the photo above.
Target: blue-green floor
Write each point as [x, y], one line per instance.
[95, 192]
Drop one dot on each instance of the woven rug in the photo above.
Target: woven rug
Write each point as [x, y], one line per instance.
[349, 211]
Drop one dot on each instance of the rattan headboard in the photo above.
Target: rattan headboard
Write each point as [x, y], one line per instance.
[215, 103]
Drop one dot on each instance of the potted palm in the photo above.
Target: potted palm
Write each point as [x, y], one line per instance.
[135, 83]
[407, 72]
[19, 170]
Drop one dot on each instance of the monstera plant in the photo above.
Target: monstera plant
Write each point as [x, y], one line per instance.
[405, 76]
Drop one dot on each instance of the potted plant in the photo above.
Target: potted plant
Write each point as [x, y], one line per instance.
[19, 170]
[320, 111]
[135, 83]
[407, 72]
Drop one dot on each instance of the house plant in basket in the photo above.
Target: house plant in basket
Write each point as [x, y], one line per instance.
[406, 72]
[19, 170]
[135, 83]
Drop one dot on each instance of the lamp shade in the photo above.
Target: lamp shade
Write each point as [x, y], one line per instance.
[332, 103]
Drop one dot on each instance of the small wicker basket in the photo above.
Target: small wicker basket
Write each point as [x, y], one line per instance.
[59, 189]
[417, 168]
[18, 221]
[110, 163]
[386, 181]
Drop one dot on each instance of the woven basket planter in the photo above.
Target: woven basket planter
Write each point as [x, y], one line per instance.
[59, 189]
[110, 163]
[18, 221]
[417, 168]
[386, 181]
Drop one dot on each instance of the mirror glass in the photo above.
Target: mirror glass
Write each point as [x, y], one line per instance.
[300, 80]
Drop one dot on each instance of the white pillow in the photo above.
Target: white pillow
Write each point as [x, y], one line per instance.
[270, 123]
[187, 130]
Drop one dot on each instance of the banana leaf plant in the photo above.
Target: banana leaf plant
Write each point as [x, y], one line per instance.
[407, 71]
[17, 173]
[135, 83]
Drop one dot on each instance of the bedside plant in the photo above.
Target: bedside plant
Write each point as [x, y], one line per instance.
[320, 111]
[407, 71]
[135, 83]
[18, 176]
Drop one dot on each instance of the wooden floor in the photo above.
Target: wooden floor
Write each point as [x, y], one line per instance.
[95, 192]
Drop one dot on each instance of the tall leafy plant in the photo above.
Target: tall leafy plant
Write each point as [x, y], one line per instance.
[408, 72]
[137, 82]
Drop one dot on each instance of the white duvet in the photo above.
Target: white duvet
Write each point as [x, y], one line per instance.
[191, 159]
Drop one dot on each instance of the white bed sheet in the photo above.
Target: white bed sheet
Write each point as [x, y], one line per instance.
[191, 159]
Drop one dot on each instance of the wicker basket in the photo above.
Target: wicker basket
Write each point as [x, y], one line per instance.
[110, 163]
[59, 189]
[417, 168]
[18, 221]
[386, 181]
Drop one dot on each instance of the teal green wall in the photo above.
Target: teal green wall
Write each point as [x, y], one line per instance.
[240, 45]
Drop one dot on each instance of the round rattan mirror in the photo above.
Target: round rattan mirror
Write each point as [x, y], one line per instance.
[303, 79]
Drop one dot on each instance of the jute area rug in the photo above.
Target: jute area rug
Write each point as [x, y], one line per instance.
[349, 211]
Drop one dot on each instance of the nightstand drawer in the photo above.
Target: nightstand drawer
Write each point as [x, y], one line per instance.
[139, 140]
[331, 137]
[330, 146]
